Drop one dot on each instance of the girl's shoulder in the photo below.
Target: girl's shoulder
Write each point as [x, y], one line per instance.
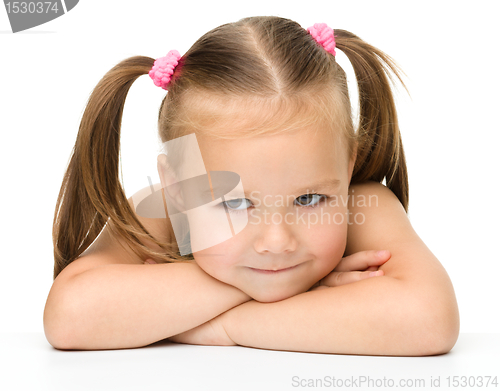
[372, 195]
[379, 222]
[109, 248]
[376, 219]
[370, 187]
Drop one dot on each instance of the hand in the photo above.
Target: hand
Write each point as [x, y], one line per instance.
[209, 333]
[355, 267]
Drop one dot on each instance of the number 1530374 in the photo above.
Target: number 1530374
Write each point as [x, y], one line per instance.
[31, 7]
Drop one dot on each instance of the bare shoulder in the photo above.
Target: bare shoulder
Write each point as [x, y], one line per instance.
[109, 248]
[374, 203]
[372, 192]
[378, 221]
[384, 225]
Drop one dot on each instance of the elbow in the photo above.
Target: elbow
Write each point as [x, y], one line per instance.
[57, 336]
[55, 328]
[60, 320]
[446, 331]
[64, 332]
[439, 329]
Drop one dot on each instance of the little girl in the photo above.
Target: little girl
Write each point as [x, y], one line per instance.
[273, 207]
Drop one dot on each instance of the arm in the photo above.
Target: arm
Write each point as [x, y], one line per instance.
[352, 268]
[411, 310]
[109, 299]
[124, 306]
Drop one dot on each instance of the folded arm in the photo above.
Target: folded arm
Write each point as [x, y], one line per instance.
[109, 299]
[410, 311]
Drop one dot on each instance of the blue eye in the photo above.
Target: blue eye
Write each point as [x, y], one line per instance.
[308, 198]
[235, 205]
[241, 204]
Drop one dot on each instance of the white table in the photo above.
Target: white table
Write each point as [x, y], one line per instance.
[28, 362]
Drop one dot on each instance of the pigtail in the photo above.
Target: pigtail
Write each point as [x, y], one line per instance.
[91, 194]
[380, 149]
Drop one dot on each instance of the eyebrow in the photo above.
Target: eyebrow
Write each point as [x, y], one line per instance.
[327, 184]
[321, 186]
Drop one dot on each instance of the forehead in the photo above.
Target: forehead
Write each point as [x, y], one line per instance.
[300, 156]
[236, 116]
[312, 142]
[274, 139]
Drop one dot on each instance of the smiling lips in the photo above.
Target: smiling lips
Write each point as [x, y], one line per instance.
[265, 271]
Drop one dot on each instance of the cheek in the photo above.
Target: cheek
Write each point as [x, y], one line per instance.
[216, 261]
[327, 242]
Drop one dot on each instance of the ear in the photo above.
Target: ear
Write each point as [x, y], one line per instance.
[169, 183]
[352, 160]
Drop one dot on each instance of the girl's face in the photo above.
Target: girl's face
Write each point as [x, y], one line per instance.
[296, 187]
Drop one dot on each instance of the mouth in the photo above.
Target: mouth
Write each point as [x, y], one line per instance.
[267, 271]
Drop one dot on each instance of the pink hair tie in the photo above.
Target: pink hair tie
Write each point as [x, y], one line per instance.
[163, 69]
[324, 36]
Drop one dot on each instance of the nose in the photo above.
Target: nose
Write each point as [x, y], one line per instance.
[275, 235]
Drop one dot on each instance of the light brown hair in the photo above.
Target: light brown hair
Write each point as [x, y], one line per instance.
[254, 63]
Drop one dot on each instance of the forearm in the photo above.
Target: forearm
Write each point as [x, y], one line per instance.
[124, 306]
[376, 316]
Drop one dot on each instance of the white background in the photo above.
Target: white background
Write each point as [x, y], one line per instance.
[448, 50]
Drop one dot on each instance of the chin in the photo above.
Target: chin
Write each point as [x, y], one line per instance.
[271, 297]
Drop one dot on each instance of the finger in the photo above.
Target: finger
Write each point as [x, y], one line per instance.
[343, 278]
[363, 260]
